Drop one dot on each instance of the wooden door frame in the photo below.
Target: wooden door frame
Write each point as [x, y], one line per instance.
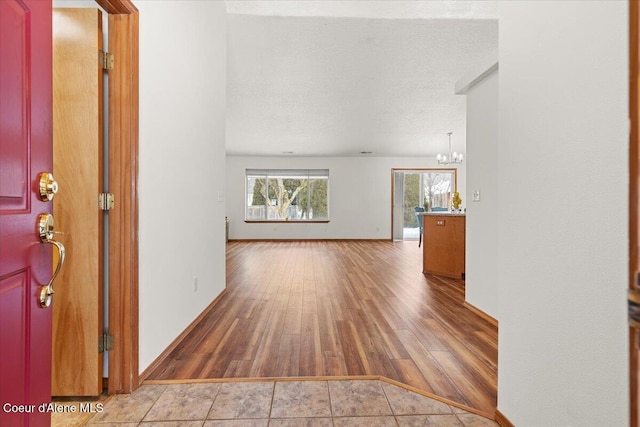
[123, 183]
[634, 186]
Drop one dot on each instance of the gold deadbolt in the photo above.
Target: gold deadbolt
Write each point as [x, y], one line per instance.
[48, 186]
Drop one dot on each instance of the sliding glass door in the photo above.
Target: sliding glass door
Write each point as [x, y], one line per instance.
[429, 189]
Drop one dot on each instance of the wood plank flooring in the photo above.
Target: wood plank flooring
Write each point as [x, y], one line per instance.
[344, 308]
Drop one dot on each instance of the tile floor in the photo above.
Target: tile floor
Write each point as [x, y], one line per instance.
[339, 403]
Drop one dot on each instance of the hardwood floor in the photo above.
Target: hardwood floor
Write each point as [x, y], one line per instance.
[345, 308]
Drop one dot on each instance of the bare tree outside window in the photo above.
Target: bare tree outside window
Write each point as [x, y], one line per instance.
[282, 194]
[437, 189]
[287, 195]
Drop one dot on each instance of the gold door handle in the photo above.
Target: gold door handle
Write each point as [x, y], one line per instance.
[45, 232]
[48, 186]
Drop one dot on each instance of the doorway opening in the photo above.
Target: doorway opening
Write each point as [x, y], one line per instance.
[429, 189]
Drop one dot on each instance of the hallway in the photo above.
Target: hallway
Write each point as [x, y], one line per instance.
[341, 309]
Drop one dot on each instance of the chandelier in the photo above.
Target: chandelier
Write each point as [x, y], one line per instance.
[445, 159]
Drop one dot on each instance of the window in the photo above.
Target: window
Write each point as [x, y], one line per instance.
[287, 195]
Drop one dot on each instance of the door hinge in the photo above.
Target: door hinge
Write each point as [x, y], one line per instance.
[106, 201]
[106, 60]
[105, 343]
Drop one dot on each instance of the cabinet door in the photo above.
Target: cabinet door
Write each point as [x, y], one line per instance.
[444, 245]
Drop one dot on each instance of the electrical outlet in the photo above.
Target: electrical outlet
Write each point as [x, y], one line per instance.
[476, 196]
[195, 284]
[377, 228]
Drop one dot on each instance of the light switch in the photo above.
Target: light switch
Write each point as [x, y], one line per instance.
[476, 196]
[220, 196]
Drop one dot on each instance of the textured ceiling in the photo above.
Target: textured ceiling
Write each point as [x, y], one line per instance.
[338, 86]
[387, 9]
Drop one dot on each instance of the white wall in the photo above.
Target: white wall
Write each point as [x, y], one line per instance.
[359, 196]
[481, 269]
[562, 237]
[182, 166]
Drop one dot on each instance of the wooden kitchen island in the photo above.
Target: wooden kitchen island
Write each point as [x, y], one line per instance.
[443, 244]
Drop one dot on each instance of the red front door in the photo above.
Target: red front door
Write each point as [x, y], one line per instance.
[25, 262]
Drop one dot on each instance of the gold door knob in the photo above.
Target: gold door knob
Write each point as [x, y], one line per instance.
[48, 186]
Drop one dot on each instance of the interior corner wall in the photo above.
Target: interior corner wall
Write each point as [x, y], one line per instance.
[359, 196]
[481, 282]
[182, 166]
[563, 213]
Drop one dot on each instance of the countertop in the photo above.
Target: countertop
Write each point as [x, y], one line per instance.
[442, 213]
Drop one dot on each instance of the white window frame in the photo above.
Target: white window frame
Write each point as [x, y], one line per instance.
[307, 174]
